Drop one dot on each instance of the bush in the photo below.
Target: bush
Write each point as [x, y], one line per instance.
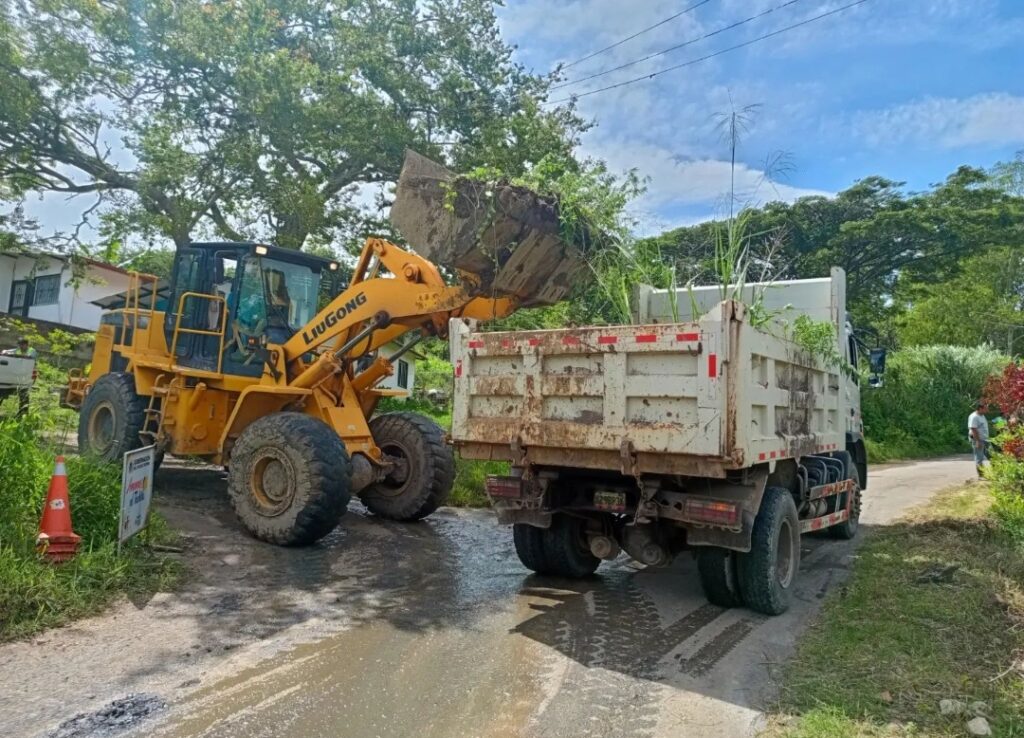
[1006, 473]
[922, 408]
[35, 594]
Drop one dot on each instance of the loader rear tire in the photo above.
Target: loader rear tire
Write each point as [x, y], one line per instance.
[290, 479]
[111, 417]
[424, 468]
[768, 573]
[719, 578]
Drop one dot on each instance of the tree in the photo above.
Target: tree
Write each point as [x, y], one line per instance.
[981, 304]
[258, 118]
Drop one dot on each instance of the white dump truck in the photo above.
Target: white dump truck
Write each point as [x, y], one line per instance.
[713, 432]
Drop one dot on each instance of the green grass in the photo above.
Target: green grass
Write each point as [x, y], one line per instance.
[34, 594]
[889, 646]
[921, 409]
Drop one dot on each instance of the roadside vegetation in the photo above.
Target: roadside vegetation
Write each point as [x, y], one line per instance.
[934, 611]
[929, 631]
[922, 406]
[34, 594]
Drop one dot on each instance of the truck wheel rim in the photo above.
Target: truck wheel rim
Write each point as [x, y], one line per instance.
[784, 555]
[101, 428]
[272, 483]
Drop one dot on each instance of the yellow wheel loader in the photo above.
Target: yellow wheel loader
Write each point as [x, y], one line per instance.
[261, 359]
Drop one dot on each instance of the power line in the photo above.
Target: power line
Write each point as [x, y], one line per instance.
[690, 63]
[638, 33]
[670, 49]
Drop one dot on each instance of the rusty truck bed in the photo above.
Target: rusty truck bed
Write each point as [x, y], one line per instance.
[695, 398]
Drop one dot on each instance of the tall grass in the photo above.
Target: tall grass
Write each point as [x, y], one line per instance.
[35, 594]
[922, 408]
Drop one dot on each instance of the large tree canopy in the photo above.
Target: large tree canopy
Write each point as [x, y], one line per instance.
[258, 118]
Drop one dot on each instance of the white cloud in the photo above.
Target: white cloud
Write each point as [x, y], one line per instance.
[989, 119]
[682, 181]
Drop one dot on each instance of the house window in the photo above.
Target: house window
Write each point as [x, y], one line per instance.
[47, 290]
[403, 374]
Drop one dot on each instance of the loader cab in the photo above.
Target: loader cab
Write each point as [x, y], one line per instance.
[228, 300]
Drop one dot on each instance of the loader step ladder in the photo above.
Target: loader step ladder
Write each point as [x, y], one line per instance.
[154, 412]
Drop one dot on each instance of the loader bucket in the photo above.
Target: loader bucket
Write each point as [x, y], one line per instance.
[502, 239]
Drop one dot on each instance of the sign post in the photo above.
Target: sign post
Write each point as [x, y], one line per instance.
[136, 492]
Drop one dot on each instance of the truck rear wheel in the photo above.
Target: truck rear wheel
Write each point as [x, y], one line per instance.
[289, 480]
[111, 417]
[559, 551]
[846, 530]
[719, 577]
[768, 573]
[423, 472]
[529, 543]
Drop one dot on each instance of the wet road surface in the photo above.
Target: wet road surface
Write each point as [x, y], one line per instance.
[435, 629]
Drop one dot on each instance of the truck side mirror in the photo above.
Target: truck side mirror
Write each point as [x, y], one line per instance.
[876, 360]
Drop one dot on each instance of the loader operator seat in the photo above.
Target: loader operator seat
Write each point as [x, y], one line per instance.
[279, 307]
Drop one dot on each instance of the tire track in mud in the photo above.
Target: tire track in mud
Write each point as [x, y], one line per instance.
[708, 655]
[615, 639]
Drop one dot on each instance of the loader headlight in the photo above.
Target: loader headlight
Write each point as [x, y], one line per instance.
[261, 250]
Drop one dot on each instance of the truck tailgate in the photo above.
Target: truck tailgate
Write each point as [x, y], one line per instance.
[617, 389]
[16, 371]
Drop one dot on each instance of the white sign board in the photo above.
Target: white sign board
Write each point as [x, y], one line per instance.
[136, 491]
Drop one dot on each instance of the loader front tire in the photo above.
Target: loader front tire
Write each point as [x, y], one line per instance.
[111, 418]
[290, 479]
[423, 471]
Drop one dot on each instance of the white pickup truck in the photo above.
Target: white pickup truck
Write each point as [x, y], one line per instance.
[16, 373]
[681, 432]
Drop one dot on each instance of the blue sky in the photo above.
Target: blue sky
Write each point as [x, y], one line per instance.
[908, 89]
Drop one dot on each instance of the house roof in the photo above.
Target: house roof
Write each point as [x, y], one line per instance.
[65, 258]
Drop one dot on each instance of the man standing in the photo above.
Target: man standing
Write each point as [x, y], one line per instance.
[27, 352]
[977, 429]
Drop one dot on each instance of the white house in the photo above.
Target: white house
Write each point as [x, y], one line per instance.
[404, 377]
[37, 286]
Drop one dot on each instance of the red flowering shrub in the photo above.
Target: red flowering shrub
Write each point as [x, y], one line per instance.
[1007, 390]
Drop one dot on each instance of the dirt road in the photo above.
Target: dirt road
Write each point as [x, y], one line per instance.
[432, 629]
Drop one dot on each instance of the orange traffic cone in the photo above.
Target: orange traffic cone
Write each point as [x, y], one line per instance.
[57, 541]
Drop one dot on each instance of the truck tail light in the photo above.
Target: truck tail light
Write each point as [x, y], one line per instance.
[505, 487]
[712, 512]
